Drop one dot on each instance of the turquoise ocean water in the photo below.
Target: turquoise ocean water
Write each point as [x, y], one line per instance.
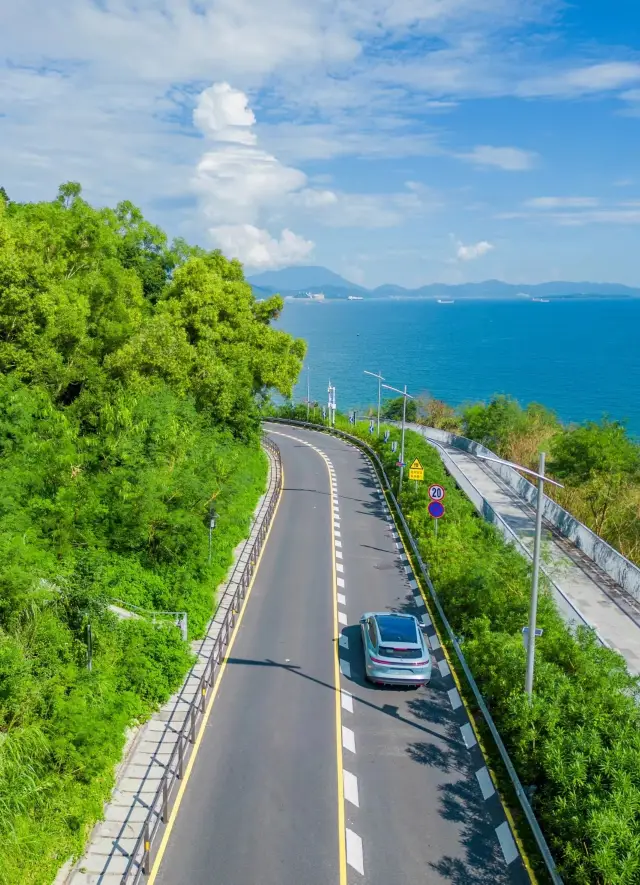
[579, 357]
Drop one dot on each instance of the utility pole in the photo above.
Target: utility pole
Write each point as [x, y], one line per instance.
[380, 379]
[531, 630]
[405, 397]
[331, 402]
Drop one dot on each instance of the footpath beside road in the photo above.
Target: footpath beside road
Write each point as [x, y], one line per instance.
[149, 748]
[585, 589]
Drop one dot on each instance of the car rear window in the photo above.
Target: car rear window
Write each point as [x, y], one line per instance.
[394, 629]
[406, 653]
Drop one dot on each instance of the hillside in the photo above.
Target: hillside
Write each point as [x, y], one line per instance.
[291, 281]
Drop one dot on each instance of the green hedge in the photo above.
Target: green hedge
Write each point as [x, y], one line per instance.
[579, 744]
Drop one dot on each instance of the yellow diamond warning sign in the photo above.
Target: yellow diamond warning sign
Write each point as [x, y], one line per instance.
[415, 471]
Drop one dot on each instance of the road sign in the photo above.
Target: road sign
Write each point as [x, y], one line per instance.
[525, 636]
[386, 436]
[415, 471]
[436, 509]
[436, 492]
[399, 463]
[394, 445]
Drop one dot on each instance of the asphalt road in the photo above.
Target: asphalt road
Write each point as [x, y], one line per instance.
[272, 798]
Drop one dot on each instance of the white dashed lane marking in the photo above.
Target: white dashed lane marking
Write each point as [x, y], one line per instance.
[344, 641]
[338, 543]
[348, 739]
[342, 599]
[434, 642]
[468, 735]
[486, 784]
[339, 567]
[426, 620]
[351, 788]
[505, 839]
[340, 582]
[354, 851]
[347, 700]
[342, 618]
[444, 668]
[345, 668]
[454, 697]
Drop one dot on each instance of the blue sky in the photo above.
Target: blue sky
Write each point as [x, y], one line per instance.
[403, 141]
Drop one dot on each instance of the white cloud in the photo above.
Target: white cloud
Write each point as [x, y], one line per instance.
[584, 80]
[222, 113]
[508, 158]
[477, 250]
[258, 249]
[561, 202]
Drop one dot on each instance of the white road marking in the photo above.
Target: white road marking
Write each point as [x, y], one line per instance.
[468, 735]
[413, 584]
[444, 668]
[407, 568]
[347, 700]
[420, 602]
[397, 545]
[342, 618]
[434, 642]
[504, 838]
[344, 641]
[455, 698]
[338, 554]
[351, 788]
[486, 784]
[345, 668]
[348, 739]
[339, 567]
[338, 543]
[340, 582]
[336, 523]
[342, 599]
[426, 620]
[337, 534]
[354, 851]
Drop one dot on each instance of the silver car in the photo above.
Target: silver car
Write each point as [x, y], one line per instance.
[395, 651]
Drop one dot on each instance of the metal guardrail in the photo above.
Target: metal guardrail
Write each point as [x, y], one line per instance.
[159, 808]
[504, 755]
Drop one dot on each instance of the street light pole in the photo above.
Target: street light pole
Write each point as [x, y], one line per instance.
[405, 397]
[533, 601]
[380, 379]
[308, 385]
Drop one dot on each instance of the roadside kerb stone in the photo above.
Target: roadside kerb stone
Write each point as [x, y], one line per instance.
[149, 748]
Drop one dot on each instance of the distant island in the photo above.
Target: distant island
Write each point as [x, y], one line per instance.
[320, 284]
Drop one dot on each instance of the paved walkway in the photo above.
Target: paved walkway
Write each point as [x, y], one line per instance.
[582, 587]
[148, 750]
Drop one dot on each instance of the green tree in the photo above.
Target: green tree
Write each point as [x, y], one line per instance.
[600, 460]
[392, 409]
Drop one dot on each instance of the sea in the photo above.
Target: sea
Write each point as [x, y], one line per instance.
[579, 357]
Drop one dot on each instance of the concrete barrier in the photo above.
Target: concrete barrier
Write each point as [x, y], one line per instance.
[613, 563]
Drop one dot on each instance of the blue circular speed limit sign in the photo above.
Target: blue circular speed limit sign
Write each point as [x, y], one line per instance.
[436, 509]
[436, 492]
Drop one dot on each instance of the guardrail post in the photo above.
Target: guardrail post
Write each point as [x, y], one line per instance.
[203, 695]
[180, 757]
[165, 801]
[147, 850]
[193, 724]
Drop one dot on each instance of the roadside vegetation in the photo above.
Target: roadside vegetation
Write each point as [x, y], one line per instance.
[131, 372]
[578, 746]
[598, 462]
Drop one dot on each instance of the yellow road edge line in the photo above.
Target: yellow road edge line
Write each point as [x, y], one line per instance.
[452, 668]
[183, 785]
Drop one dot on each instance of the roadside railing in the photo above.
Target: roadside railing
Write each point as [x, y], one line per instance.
[159, 808]
[482, 706]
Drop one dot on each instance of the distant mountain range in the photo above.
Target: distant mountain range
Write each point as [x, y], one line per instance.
[293, 281]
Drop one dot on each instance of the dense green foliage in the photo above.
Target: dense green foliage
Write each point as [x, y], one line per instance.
[392, 409]
[579, 744]
[131, 373]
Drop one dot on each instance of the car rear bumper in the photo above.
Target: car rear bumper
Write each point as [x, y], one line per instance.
[393, 677]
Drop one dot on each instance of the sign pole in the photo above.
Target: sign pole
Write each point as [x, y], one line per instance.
[533, 605]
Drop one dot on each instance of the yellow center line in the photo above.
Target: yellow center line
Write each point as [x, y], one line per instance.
[185, 780]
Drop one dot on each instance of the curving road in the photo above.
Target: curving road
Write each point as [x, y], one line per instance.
[306, 775]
